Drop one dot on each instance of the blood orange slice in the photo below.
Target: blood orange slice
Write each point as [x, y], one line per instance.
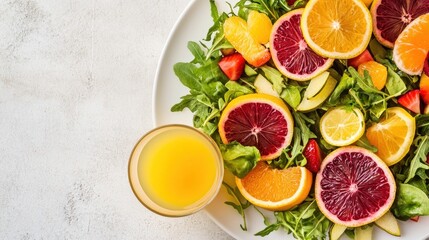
[290, 52]
[354, 187]
[259, 120]
[390, 17]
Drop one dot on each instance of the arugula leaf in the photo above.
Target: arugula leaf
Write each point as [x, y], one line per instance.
[238, 205]
[419, 159]
[394, 84]
[239, 159]
[305, 221]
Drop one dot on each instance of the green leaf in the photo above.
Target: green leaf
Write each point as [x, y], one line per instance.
[291, 95]
[419, 159]
[394, 84]
[410, 201]
[197, 52]
[186, 72]
[275, 77]
[346, 82]
[239, 159]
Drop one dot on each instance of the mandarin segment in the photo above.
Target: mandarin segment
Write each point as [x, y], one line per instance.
[236, 32]
[275, 189]
[259, 26]
[376, 71]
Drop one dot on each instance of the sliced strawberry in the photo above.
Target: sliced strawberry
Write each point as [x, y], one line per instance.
[313, 154]
[415, 218]
[424, 88]
[411, 100]
[365, 56]
[232, 65]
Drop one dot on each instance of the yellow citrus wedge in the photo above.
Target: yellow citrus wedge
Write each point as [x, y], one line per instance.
[341, 126]
[393, 135]
[275, 189]
[337, 28]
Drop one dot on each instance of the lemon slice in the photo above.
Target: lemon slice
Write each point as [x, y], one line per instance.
[393, 135]
[337, 28]
[341, 126]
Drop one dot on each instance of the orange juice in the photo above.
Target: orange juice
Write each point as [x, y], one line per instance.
[177, 168]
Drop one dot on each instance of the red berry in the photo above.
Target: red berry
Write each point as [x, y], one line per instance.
[232, 65]
[415, 218]
[313, 154]
[365, 56]
[411, 100]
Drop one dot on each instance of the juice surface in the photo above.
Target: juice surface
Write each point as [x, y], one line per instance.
[177, 168]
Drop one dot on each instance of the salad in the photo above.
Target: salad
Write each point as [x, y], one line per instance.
[217, 76]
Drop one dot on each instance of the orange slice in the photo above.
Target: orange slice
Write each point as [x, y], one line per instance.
[412, 46]
[393, 135]
[275, 189]
[337, 28]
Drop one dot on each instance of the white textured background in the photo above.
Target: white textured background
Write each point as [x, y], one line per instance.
[76, 83]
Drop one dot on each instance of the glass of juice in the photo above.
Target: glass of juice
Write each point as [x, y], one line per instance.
[175, 170]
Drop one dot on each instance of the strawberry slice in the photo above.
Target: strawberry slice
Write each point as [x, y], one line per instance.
[424, 88]
[232, 65]
[313, 154]
[411, 100]
[365, 56]
[415, 218]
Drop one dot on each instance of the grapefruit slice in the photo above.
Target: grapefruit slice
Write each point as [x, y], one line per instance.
[259, 120]
[412, 46]
[354, 187]
[290, 52]
[390, 17]
[275, 189]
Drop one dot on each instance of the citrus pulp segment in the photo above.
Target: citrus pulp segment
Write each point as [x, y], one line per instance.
[337, 28]
[341, 126]
[259, 26]
[393, 135]
[236, 32]
[289, 51]
[412, 46]
[390, 17]
[275, 189]
[354, 187]
[259, 120]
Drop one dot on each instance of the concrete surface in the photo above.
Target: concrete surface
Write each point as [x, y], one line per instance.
[76, 83]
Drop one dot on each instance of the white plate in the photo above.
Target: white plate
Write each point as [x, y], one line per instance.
[192, 26]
